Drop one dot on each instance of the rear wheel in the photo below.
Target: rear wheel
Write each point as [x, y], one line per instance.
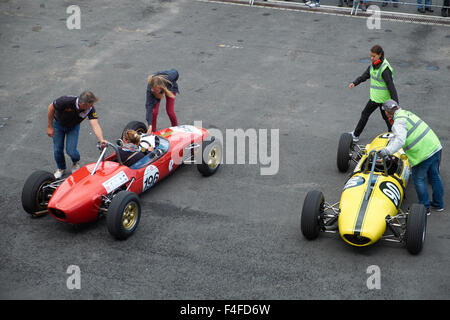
[123, 215]
[416, 225]
[344, 152]
[137, 126]
[35, 196]
[211, 157]
[312, 214]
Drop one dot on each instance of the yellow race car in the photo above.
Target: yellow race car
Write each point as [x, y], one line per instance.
[370, 201]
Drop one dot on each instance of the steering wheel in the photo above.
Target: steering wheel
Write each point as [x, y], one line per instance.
[146, 144]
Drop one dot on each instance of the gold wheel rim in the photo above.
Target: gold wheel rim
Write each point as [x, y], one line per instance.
[214, 158]
[129, 216]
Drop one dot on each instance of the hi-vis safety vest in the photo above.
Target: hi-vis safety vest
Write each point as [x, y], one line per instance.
[421, 141]
[378, 89]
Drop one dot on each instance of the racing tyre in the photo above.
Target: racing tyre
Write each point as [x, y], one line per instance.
[416, 225]
[211, 157]
[123, 215]
[343, 153]
[34, 197]
[137, 126]
[311, 214]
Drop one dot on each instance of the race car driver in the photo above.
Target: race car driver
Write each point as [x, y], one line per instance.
[130, 152]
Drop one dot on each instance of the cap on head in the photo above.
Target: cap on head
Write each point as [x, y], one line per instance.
[390, 105]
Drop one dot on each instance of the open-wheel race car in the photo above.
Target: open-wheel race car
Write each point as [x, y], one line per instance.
[370, 200]
[108, 187]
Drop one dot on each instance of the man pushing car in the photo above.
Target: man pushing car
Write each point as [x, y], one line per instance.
[64, 117]
[423, 149]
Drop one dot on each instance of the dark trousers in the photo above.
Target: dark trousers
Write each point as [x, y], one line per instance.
[365, 114]
[445, 6]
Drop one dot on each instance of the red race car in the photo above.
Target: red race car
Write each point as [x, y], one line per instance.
[108, 187]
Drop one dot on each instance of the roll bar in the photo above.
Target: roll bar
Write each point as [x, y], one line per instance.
[108, 144]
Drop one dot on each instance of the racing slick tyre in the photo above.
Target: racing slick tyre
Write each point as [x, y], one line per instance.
[416, 225]
[211, 157]
[34, 197]
[137, 126]
[311, 214]
[123, 215]
[343, 153]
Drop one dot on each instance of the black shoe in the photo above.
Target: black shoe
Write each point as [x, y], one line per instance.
[384, 4]
[395, 5]
[444, 12]
[429, 10]
[421, 10]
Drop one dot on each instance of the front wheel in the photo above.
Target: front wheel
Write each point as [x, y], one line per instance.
[344, 152]
[312, 213]
[123, 215]
[35, 195]
[416, 225]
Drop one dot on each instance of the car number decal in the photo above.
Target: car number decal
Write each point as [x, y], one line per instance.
[392, 192]
[151, 176]
[387, 135]
[115, 182]
[354, 182]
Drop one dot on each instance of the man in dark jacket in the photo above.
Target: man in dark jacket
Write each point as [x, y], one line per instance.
[64, 117]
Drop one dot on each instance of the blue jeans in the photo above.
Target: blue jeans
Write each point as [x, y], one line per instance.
[427, 4]
[71, 137]
[430, 168]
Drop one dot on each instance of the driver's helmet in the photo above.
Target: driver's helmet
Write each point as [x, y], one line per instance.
[379, 165]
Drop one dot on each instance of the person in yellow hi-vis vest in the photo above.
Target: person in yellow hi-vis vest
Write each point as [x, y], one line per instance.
[382, 88]
[423, 149]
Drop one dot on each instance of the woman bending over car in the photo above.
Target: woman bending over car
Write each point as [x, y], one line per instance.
[160, 84]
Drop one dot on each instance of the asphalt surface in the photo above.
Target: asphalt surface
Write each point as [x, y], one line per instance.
[234, 235]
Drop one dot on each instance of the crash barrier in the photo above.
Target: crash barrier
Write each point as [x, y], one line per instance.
[357, 4]
[333, 9]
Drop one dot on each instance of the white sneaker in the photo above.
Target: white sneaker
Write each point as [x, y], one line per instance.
[355, 138]
[308, 3]
[314, 5]
[75, 167]
[59, 173]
